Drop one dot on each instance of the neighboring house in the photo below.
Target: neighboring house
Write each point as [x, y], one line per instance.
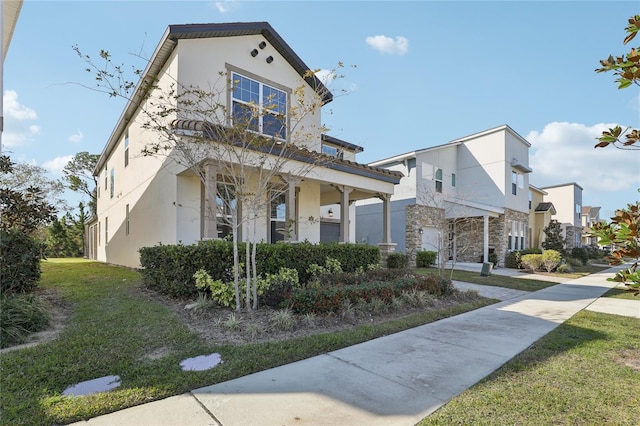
[590, 216]
[146, 200]
[540, 214]
[567, 200]
[464, 199]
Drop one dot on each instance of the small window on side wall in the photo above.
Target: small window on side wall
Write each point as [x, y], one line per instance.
[126, 148]
[439, 180]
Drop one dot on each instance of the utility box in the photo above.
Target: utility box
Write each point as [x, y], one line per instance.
[487, 267]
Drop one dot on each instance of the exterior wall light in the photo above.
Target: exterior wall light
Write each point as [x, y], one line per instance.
[269, 59]
[330, 213]
[254, 52]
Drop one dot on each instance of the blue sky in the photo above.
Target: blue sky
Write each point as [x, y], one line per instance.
[426, 72]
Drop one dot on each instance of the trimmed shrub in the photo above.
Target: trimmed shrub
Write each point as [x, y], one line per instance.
[331, 299]
[565, 268]
[581, 254]
[169, 269]
[20, 260]
[514, 258]
[397, 261]
[424, 258]
[551, 259]
[531, 262]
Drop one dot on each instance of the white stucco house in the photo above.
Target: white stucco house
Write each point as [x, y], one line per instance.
[464, 199]
[145, 200]
[567, 200]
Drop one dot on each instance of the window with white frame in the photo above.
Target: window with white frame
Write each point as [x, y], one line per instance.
[438, 180]
[226, 202]
[453, 180]
[113, 181]
[126, 219]
[126, 148]
[514, 183]
[332, 151]
[259, 107]
[106, 176]
[277, 214]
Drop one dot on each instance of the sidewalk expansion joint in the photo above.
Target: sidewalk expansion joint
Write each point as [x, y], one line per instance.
[206, 410]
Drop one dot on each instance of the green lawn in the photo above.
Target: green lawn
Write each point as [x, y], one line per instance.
[621, 292]
[113, 329]
[492, 280]
[576, 375]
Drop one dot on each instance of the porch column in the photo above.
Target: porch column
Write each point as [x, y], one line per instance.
[209, 205]
[291, 223]
[386, 217]
[486, 238]
[344, 213]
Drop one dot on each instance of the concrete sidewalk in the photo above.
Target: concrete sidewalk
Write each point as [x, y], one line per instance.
[393, 380]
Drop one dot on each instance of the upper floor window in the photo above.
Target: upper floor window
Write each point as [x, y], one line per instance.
[126, 148]
[530, 200]
[332, 151]
[578, 209]
[259, 107]
[105, 176]
[438, 180]
[453, 180]
[517, 181]
[113, 181]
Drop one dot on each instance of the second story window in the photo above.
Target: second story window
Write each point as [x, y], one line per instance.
[126, 148]
[453, 180]
[259, 107]
[113, 181]
[438, 180]
[332, 151]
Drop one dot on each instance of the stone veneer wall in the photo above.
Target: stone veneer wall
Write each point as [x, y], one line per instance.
[417, 217]
[571, 232]
[470, 236]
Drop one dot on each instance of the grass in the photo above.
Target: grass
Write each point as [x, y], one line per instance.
[492, 280]
[576, 375]
[621, 292]
[115, 330]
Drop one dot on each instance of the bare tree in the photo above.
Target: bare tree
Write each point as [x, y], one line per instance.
[196, 128]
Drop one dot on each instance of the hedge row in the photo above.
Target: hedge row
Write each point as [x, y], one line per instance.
[324, 300]
[170, 268]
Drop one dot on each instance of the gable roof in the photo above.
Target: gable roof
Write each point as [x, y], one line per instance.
[170, 40]
[543, 207]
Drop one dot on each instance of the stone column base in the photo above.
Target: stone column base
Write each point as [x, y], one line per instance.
[385, 250]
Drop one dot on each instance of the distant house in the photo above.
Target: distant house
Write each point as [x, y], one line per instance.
[567, 200]
[146, 200]
[590, 216]
[465, 199]
[540, 214]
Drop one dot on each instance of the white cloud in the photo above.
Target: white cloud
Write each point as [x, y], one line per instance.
[14, 109]
[224, 6]
[56, 165]
[18, 131]
[564, 152]
[387, 45]
[76, 137]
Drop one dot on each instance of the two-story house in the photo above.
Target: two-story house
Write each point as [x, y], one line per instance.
[590, 216]
[541, 212]
[567, 200]
[464, 199]
[145, 199]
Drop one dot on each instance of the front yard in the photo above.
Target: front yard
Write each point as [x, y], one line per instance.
[115, 327]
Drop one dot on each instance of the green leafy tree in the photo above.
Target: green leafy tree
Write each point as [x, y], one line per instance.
[627, 69]
[78, 173]
[623, 233]
[23, 210]
[554, 239]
